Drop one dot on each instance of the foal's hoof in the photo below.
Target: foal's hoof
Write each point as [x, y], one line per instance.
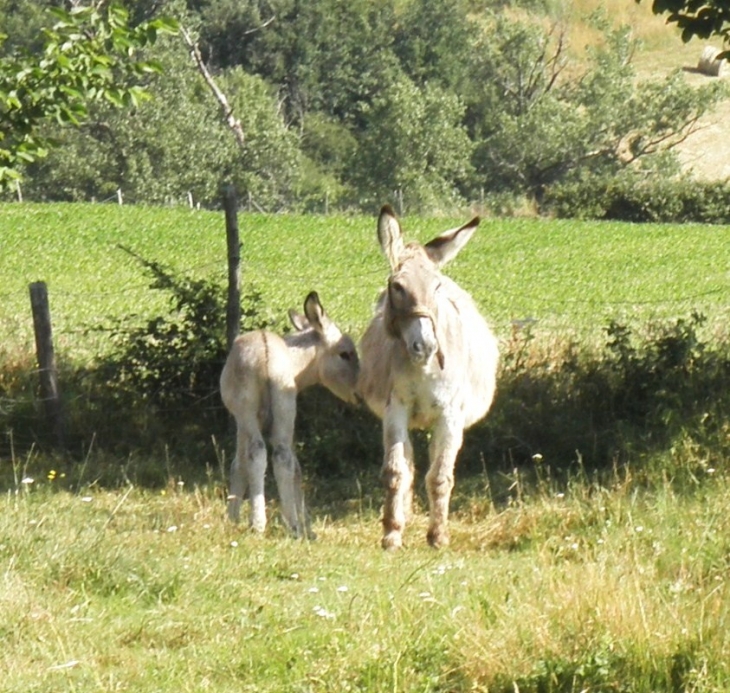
[437, 538]
[392, 541]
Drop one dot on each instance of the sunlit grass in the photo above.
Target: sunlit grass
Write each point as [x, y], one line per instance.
[591, 589]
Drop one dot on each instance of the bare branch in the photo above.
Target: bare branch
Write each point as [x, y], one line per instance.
[233, 123]
[262, 26]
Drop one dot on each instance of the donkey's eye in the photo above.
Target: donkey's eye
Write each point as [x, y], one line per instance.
[345, 355]
[398, 288]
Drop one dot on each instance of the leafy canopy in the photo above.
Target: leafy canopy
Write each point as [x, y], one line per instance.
[700, 18]
[88, 55]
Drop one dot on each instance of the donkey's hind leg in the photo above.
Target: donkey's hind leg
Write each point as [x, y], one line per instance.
[237, 485]
[247, 473]
[287, 471]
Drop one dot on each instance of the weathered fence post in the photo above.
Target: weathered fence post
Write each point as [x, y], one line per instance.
[233, 307]
[46, 359]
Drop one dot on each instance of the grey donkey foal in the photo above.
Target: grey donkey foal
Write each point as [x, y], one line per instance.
[259, 386]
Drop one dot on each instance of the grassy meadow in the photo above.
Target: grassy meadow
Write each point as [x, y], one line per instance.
[584, 585]
[593, 590]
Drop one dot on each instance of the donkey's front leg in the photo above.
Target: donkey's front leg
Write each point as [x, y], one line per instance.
[397, 474]
[444, 447]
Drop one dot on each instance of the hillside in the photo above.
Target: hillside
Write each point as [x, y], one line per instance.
[706, 152]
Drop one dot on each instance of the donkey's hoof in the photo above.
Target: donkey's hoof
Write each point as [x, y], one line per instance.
[437, 538]
[234, 510]
[257, 526]
[307, 535]
[392, 541]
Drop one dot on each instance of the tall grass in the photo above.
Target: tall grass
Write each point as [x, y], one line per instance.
[610, 589]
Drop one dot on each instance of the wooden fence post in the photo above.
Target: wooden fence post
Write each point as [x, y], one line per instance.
[233, 307]
[46, 360]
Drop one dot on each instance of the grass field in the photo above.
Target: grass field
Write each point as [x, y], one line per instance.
[593, 590]
[582, 586]
[571, 277]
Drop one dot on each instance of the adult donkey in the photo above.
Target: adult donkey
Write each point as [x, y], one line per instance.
[428, 361]
[259, 386]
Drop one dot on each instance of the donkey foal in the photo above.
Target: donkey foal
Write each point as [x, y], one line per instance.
[259, 386]
[429, 361]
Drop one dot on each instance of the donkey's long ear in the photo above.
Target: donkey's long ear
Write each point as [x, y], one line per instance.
[446, 247]
[314, 311]
[299, 321]
[390, 236]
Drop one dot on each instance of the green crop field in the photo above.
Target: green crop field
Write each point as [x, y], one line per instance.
[570, 277]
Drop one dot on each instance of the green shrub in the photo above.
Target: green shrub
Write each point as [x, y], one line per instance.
[642, 401]
[630, 199]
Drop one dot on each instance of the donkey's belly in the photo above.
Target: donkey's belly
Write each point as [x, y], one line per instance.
[426, 401]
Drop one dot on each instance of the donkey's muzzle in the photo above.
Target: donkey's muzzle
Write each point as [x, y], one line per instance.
[420, 340]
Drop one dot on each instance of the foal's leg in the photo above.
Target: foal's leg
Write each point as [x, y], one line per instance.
[255, 474]
[287, 471]
[397, 474]
[237, 484]
[247, 472]
[444, 447]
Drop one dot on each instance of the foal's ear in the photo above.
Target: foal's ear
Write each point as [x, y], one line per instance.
[390, 235]
[446, 247]
[314, 311]
[299, 321]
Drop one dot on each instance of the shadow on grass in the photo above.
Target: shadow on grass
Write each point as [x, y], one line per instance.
[657, 401]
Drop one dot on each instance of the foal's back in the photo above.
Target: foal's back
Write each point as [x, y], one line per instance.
[258, 366]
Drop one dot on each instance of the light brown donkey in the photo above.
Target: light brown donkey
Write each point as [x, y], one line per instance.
[259, 386]
[429, 361]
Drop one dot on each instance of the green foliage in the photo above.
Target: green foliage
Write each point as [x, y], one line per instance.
[635, 199]
[325, 56]
[642, 397]
[413, 143]
[174, 144]
[164, 374]
[534, 129]
[434, 41]
[87, 56]
[471, 102]
[696, 19]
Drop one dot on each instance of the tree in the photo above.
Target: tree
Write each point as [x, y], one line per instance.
[174, 143]
[87, 56]
[534, 127]
[414, 142]
[700, 18]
